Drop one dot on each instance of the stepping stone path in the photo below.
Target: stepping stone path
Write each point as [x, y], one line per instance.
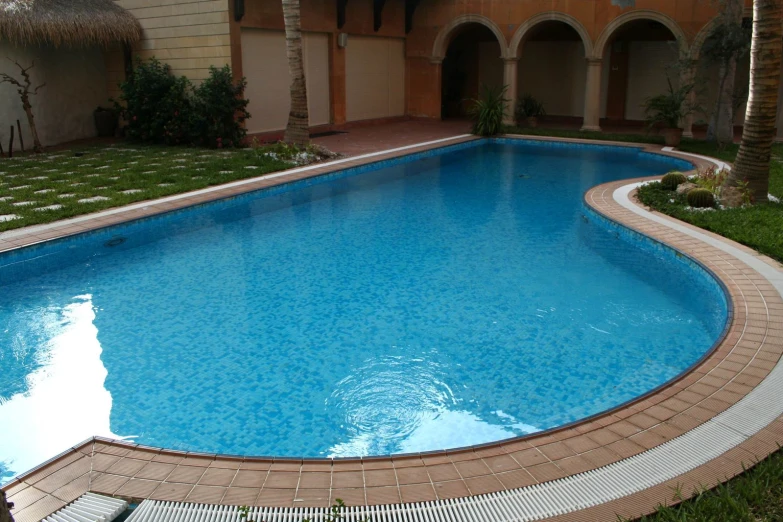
[165, 184]
[200, 168]
[24, 203]
[131, 191]
[149, 172]
[50, 207]
[251, 167]
[6, 198]
[93, 199]
[92, 175]
[226, 172]
[66, 195]
[44, 191]
[103, 167]
[181, 160]
[20, 187]
[178, 167]
[37, 178]
[76, 184]
[8, 217]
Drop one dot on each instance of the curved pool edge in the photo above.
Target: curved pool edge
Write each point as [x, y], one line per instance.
[602, 443]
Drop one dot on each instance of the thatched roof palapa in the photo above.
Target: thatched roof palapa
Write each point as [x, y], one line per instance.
[74, 23]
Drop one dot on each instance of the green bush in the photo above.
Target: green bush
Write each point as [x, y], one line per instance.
[159, 107]
[487, 111]
[219, 110]
[672, 180]
[528, 107]
[700, 198]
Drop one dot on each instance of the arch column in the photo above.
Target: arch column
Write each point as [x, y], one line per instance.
[510, 81]
[687, 77]
[591, 121]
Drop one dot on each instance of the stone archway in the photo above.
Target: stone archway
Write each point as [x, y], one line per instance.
[550, 16]
[640, 14]
[446, 33]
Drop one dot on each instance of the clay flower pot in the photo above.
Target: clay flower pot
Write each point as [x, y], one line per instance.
[672, 137]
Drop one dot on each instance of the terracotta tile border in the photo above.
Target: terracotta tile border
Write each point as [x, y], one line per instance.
[751, 347]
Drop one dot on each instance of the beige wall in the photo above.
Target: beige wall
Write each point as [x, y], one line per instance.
[265, 66]
[63, 109]
[554, 73]
[648, 66]
[189, 35]
[374, 78]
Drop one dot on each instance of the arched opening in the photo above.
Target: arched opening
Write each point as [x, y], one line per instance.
[640, 57]
[473, 58]
[711, 75]
[552, 69]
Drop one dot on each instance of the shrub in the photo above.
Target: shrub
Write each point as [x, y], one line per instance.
[528, 107]
[219, 110]
[700, 198]
[155, 104]
[487, 111]
[711, 178]
[672, 180]
[162, 108]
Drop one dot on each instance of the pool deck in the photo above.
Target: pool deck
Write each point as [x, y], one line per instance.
[750, 350]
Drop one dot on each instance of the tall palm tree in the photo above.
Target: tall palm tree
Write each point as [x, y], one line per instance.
[752, 163]
[296, 132]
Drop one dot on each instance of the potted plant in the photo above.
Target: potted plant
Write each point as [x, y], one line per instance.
[487, 111]
[528, 110]
[667, 110]
[105, 121]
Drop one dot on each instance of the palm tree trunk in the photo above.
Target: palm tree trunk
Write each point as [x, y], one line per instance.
[752, 163]
[296, 132]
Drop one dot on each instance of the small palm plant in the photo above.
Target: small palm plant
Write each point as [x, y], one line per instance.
[487, 110]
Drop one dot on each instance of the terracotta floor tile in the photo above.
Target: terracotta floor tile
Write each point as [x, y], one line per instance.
[382, 495]
[418, 493]
[485, 484]
[351, 497]
[348, 480]
[516, 479]
[217, 477]
[206, 495]
[186, 474]
[102, 461]
[171, 492]
[443, 472]
[39, 509]
[380, 477]
[26, 497]
[276, 497]
[472, 468]
[312, 498]
[107, 483]
[451, 489]
[240, 496]
[501, 463]
[315, 480]
[557, 450]
[574, 465]
[155, 471]
[545, 472]
[137, 488]
[282, 480]
[249, 479]
[529, 457]
[582, 443]
[127, 467]
[413, 476]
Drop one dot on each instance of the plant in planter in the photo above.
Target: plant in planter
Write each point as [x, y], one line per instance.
[528, 110]
[105, 121]
[666, 110]
[487, 111]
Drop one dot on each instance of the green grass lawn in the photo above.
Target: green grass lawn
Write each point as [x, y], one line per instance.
[47, 187]
[754, 496]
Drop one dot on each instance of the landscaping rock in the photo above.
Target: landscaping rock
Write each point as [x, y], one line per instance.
[684, 188]
[731, 197]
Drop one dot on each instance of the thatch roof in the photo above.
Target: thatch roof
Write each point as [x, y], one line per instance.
[75, 23]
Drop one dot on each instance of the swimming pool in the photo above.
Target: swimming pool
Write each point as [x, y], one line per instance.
[449, 298]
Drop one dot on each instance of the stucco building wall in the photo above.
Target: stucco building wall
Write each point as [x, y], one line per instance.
[75, 86]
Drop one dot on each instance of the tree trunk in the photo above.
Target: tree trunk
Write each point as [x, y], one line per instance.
[721, 127]
[5, 509]
[296, 132]
[28, 109]
[752, 163]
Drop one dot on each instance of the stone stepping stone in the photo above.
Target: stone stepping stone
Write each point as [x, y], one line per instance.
[181, 160]
[196, 177]
[253, 167]
[114, 178]
[93, 199]
[20, 187]
[8, 217]
[66, 195]
[149, 172]
[226, 172]
[102, 167]
[179, 167]
[50, 207]
[24, 203]
[92, 176]
[38, 178]
[76, 184]
[201, 168]
[165, 184]
[131, 191]
[44, 191]
[6, 198]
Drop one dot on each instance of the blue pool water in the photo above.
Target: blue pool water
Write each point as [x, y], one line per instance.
[452, 298]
